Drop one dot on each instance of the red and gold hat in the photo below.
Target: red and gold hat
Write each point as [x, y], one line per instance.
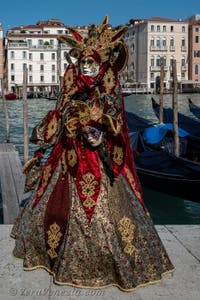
[102, 43]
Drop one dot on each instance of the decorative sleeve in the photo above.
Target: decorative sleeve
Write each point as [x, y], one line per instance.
[46, 132]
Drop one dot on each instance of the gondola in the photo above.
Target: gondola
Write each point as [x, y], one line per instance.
[187, 123]
[157, 167]
[195, 109]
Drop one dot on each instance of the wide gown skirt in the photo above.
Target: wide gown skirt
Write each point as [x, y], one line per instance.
[118, 246]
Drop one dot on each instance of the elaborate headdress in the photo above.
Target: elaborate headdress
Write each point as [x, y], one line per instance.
[102, 44]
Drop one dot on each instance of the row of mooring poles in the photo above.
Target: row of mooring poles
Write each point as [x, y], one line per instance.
[174, 102]
[25, 114]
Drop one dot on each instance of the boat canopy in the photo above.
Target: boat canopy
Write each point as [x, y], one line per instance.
[155, 134]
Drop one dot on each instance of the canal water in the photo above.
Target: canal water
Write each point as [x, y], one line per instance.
[163, 208]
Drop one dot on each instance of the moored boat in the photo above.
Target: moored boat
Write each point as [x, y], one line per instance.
[10, 96]
[195, 109]
[158, 168]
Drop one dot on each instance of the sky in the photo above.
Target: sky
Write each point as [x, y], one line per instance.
[83, 12]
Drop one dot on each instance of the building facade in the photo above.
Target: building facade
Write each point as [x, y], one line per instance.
[194, 52]
[36, 48]
[150, 39]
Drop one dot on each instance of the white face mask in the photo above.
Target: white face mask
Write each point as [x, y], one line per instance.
[89, 67]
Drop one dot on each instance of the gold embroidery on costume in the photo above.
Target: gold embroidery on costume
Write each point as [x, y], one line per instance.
[88, 189]
[46, 175]
[68, 95]
[118, 155]
[72, 157]
[69, 78]
[109, 81]
[63, 163]
[54, 236]
[89, 50]
[132, 182]
[52, 127]
[127, 228]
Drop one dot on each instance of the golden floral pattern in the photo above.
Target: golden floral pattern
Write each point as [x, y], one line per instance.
[127, 228]
[45, 178]
[118, 155]
[54, 236]
[63, 163]
[69, 78]
[132, 182]
[88, 189]
[109, 81]
[72, 157]
[52, 127]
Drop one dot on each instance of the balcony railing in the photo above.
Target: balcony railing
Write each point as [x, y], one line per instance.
[28, 46]
[158, 48]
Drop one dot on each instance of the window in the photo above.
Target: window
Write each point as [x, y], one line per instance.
[158, 28]
[183, 62]
[172, 42]
[158, 43]
[51, 42]
[197, 39]
[24, 54]
[183, 28]
[30, 56]
[24, 66]
[197, 53]
[158, 61]
[12, 78]
[152, 28]
[30, 78]
[41, 78]
[164, 28]
[164, 42]
[133, 47]
[53, 78]
[40, 42]
[152, 43]
[183, 42]
[152, 62]
[53, 68]
[12, 67]
[41, 68]
[196, 70]
[152, 76]
[183, 75]
[53, 56]
[30, 68]
[64, 66]
[172, 28]
[64, 54]
[41, 56]
[196, 29]
[12, 54]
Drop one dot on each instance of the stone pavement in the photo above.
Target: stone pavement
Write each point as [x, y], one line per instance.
[181, 241]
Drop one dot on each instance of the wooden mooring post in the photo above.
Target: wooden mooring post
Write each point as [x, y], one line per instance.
[175, 109]
[161, 89]
[25, 115]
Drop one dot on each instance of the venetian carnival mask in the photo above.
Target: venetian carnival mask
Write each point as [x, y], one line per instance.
[89, 67]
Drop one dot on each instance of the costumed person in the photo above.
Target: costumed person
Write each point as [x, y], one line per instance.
[85, 221]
